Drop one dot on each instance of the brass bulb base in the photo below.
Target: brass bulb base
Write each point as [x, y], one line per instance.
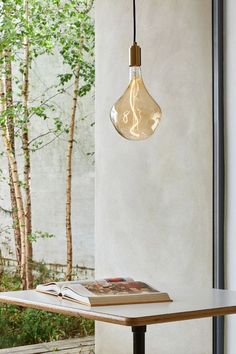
[135, 55]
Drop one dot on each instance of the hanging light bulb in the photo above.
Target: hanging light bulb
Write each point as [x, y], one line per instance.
[135, 115]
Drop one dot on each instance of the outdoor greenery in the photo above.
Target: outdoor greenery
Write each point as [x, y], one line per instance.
[19, 326]
[30, 30]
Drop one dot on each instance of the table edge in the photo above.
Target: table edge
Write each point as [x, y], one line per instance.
[125, 321]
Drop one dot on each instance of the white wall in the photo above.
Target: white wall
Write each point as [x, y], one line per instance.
[230, 111]
[153, 198]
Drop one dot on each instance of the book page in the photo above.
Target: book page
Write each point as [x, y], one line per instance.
[108, 288]
[85, 288]
[54, 287]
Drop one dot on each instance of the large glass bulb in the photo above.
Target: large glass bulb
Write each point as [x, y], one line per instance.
[136, 115]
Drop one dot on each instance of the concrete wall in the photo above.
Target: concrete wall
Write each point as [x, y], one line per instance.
[230, 111]
[51, 164]
[49, 174]
[153, 198]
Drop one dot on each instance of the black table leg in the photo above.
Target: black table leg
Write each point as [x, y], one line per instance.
[139, 339]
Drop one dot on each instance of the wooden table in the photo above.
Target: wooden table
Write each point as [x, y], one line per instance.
[187, 305]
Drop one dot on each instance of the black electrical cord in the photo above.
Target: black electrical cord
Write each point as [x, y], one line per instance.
[134, 19]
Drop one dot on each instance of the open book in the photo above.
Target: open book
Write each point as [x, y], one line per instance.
[110, 291]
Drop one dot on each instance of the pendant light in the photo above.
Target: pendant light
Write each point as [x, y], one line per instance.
[135, 115]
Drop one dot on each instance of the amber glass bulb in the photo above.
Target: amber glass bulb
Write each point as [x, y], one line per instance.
[136, 115]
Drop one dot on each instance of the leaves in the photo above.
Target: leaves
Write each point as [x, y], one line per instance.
[41, 28]
[56, 25]
[64, 78]
[20, 326]
[76, 43]
[39, 235]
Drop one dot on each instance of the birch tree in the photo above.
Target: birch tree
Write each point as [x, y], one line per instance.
[10, 125]
[27, 30]
[77, 50]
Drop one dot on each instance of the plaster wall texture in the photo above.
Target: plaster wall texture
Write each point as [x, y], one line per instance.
[48, 180]
[230, 112]
[153, 211]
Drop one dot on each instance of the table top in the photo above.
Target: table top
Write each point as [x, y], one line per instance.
[186, 305]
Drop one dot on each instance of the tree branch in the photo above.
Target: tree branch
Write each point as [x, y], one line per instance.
[5, 211]
[40, 136]
[49, 142]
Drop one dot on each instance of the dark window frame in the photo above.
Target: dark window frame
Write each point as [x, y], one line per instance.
[218, 164]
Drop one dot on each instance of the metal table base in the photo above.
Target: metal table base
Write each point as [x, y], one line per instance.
[139, 339]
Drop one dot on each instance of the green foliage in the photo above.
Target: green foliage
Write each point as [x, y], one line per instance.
[43, 274]
[28, 326]
[40, 235]
[63, 25]
[5, 235]
[76, 43]
[19, 326]
[9, 282]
